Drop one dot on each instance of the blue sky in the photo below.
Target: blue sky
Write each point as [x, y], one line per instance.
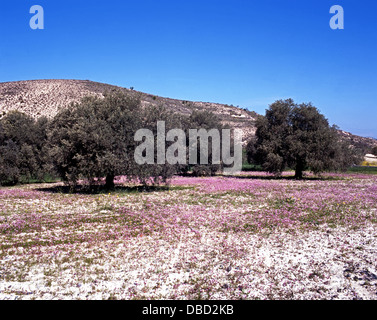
[247, 53]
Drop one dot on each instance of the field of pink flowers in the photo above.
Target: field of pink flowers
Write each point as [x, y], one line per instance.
[246, 237]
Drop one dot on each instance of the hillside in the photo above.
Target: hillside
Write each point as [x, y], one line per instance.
[46, 97]
[366, 144]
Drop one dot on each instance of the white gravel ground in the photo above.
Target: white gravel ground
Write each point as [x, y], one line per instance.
[320, 264]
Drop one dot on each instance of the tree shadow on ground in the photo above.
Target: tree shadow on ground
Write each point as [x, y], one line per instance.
[100, 189]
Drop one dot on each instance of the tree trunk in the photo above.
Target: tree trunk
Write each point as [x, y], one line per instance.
[110, 182]
[299, 170]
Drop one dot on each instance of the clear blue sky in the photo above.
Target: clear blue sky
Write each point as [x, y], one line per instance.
[247, 53]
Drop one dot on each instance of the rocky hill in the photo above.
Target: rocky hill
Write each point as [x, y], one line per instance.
[363, 143]
[46, 97]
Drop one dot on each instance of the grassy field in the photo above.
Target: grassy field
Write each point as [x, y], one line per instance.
[363, 169]
[246, 167]
[245, 237]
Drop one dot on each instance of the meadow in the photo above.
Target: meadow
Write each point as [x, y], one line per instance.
[251, 236]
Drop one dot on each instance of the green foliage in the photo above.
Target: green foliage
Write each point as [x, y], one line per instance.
[157, 173]
[251, 167]
[95, 138]
[22, 143]
[299, 137]
[204, 120]
[374, 150]
[197, 120]
[364, 170]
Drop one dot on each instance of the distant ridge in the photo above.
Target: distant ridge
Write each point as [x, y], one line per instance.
[46, 97]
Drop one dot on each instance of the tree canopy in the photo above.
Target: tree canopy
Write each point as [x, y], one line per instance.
[22, 142]
[204, 120]
[95, 138]
[298, 136]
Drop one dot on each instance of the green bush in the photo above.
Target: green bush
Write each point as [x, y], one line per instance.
[22, 148]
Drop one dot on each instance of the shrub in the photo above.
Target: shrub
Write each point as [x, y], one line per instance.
[22, 143]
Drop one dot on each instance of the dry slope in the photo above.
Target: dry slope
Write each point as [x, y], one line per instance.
[46, 97]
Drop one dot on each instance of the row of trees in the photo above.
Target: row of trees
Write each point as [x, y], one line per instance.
[92, 140]
[95, 139]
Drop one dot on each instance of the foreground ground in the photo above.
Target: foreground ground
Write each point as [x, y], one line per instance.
[247, 237]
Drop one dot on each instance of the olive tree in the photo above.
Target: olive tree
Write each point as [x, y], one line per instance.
[95, 138]
[22, 148]
[300, 137]
[204, 120]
